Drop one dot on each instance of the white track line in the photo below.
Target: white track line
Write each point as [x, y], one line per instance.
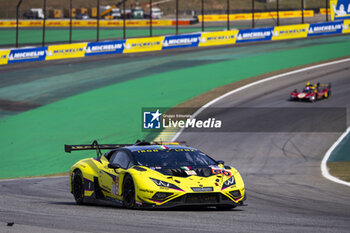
[324, 169]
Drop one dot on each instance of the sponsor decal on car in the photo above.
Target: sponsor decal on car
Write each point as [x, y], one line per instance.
[146, 190]
[115, 186]
[155, 150]
[186, 168]
[138, 203]
[191, 173]
[202, 189]
[221, 171]
[163, 147]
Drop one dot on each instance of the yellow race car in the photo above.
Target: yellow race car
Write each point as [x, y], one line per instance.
[151, 175]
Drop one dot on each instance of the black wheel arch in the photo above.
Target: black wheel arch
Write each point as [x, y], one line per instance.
[78, 201]
[72, 176]
[123, 179]
[126, 177]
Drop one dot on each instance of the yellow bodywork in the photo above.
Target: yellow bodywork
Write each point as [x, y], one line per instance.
[111, 182]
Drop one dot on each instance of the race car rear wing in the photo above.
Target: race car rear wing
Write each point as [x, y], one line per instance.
[99, 147]
[318, 85]
[70, 148]
[325, 85]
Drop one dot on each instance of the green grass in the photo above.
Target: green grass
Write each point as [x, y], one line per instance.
[342, 151]
[32, 142]
[340, 170]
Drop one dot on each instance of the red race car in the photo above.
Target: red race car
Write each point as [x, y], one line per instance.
[312, 92]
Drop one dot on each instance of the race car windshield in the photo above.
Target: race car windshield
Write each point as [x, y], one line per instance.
[173, 158]
[308, 91]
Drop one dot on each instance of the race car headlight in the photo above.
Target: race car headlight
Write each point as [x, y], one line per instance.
[165, 184]
[231, 181]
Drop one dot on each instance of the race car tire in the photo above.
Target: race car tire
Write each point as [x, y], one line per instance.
[128, 192]
[225, 207]
[78, 187]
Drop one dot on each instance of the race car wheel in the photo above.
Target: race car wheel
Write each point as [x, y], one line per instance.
[128, 192]
[78, 187]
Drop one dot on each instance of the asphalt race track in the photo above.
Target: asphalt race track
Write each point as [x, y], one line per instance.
[286, 192]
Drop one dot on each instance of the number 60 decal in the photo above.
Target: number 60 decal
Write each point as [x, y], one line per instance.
[221, 171]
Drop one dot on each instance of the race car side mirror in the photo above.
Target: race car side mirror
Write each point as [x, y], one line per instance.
[221, 162]
[114, 166]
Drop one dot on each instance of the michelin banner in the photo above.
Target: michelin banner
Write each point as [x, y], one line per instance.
[28, 54]
[218, 38]
[181, 41]
[346, 26]
[318, 29]
[66, 51]
[4, 55]
[143, 44]
[159, 43]
[258, 34]
[290, 32]
[340, 9]
[107, 47]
